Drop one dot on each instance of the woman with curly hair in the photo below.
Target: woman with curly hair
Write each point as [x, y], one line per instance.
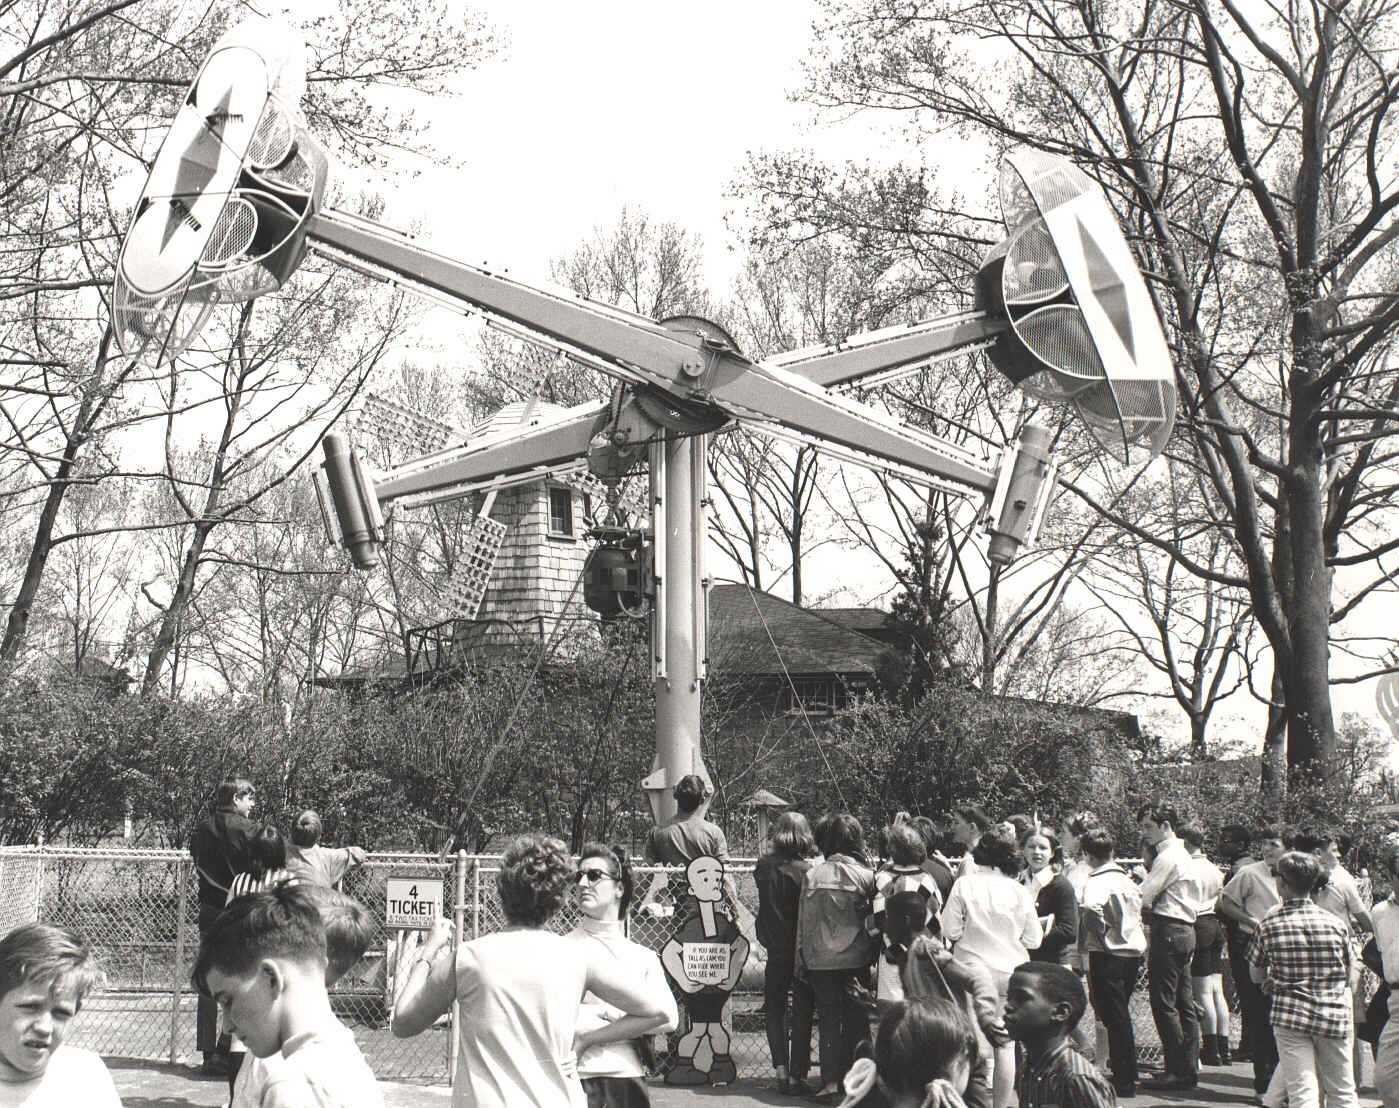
[518, 990]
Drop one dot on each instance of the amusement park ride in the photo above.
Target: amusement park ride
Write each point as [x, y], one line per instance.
[233, 203]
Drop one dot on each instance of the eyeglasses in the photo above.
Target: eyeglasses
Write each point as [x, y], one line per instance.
[592, 876]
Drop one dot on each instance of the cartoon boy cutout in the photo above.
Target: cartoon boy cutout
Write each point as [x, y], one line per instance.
[704, 958]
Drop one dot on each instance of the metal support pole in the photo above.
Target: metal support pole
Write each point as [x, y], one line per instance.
[459, 930]
[678, 685]
[476, 898]
[182, 879]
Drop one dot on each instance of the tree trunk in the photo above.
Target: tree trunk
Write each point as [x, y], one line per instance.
[1311, 729]
[175, 610]
[1273, 783]
[1199, 724]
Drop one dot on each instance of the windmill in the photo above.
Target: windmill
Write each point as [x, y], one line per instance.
[1060, 303]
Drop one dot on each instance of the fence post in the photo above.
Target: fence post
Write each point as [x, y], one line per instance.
[458, 933]
[476, 898]
[182, 876]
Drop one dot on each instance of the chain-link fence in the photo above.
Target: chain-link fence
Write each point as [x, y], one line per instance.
[138, 909]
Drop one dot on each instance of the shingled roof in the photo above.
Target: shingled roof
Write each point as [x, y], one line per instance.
[808, 642]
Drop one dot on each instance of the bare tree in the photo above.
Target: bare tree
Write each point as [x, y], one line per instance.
[81, 82]
[1247, 152]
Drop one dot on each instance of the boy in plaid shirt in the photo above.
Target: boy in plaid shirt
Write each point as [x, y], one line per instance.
[1300, 956]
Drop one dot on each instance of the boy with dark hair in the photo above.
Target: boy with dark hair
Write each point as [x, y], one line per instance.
[45, 972]
[1171, 896]
[1110, 933]
[350, 928]
[1044, 1003]
[265, 962]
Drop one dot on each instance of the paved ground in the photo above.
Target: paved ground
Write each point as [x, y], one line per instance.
[155, 1085]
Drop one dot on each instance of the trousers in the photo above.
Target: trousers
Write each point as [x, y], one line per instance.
[1111, 981]
[1172, 1000]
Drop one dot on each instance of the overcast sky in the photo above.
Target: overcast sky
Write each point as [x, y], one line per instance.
[592, 106]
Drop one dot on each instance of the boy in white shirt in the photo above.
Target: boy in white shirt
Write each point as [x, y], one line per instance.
[44, 974]
[265, 963]
[349, 929]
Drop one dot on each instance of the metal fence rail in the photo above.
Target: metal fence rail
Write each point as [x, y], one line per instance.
[138, 909]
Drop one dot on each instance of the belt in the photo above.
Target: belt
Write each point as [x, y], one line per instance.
[1157, 917]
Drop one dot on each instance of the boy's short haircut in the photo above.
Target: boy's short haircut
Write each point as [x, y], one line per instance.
[906, 845]
[1312, 838]
[1300, 869]
[1059, 985]
[350, 929]
[929, 830]
[1235, 833]
[689, 792]
[1097, 843]
[1192, 834]
[1079, 823]
[231, 789]
[973, 814]
[281, 923]
[1269, 832]
[307, 829]
[42, 954]
[1159, 814]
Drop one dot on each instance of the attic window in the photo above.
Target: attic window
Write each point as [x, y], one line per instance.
[813, 695]
[561, 511]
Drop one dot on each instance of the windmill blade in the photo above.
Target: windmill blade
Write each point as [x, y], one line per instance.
[222, 216]
[465, 588]
[408, 433]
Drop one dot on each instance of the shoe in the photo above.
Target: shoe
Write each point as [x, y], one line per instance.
[829, 1095]
[1209, 1052]
[794, 1086]
[1124, 1091]
[722, 1070]
[684, 1073]
[1221, 1042]
[1169, 1082]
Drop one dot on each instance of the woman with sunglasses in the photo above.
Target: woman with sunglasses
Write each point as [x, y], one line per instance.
[518, 990]
[609, 1055]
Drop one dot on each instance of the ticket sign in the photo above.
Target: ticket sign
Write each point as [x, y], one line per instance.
[412, 903]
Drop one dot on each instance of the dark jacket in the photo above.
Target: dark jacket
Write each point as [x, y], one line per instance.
[779, 881]
[220, 848]
[1057, 898]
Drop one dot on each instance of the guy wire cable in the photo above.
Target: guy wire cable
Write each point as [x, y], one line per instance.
[796, 698]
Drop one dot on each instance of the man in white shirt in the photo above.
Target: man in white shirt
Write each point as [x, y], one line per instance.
[1171, 896]
[1249, 895]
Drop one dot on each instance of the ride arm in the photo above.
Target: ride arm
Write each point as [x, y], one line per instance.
[686, 365]
[879, 356]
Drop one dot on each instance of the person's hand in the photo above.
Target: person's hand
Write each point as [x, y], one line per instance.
[941, 1094]
[582, 1043]
[440, 938]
